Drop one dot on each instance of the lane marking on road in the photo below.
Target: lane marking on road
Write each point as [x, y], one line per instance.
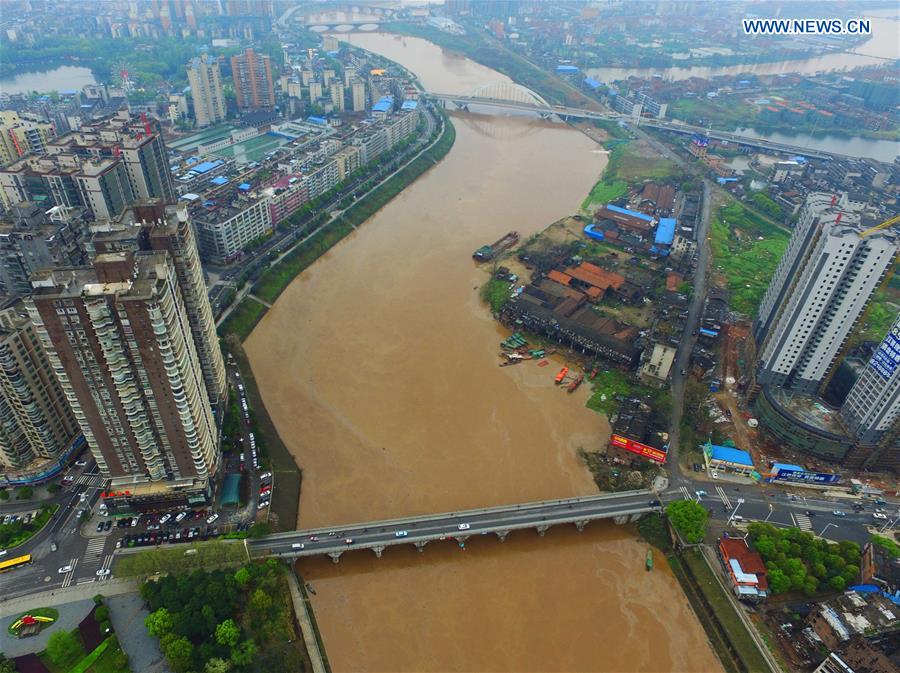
[69, 576]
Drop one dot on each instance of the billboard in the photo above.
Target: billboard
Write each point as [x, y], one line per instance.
[887, 357]
[802, 476]
[640, 449]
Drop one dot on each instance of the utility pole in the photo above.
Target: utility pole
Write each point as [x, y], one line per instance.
[736, 508]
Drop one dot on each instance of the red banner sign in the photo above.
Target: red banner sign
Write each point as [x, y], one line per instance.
[640, 449]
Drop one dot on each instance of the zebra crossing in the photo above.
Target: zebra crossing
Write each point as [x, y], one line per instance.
[94, 551]
[90, 480]
[724, 497]
[803, 522]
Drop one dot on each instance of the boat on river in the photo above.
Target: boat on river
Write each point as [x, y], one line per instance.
[488, 252]
[561, 375]
[573, 386]
[649, 560]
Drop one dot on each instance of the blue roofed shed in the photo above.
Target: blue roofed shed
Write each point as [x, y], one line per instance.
[731, 456]
[632, 213]
[384, 105]
[665, 232]
[592, 83]
[566, 69]
[244, 186]
[221, 180]
[409, 105]
[321, 121]
[778, 467]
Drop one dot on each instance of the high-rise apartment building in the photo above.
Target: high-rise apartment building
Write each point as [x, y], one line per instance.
[119, 338]
[153, 225]
[872, 408]
[358, 91]
[337, 96]
[36, 422]
[206, 90]
[253, 85]
[19, 137]
[825, 279]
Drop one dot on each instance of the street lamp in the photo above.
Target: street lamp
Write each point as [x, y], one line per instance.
[827, 525]
[734, 511]
[771, 509]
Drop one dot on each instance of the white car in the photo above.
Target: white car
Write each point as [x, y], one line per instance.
[263, 504]
[879, 515]
[463, 526]
[165, 518]
[700, 494]
[181, 516]
[65, 569]
[838, 512]
[715, 475]
[212, 518]
[102, 573]
[401, 533]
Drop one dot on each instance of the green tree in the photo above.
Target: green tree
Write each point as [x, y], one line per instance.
[228, 633]
[159, 622]
[24, 492]
[54, 488]
[689, 519]
[837, 583]
[778, 581]
[260, 529]
[242, 576]
[4, 495]
[6, 665]
[243, 654]
[260, 602]
[64, 649]
[101, 614]
[180, 654]
[217, 665]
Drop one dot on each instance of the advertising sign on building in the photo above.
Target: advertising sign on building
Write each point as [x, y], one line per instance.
[621, 442]
[887, 357]
[802, 476]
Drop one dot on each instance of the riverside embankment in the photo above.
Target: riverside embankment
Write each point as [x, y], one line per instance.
[378, 366]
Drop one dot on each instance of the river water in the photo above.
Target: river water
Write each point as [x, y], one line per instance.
[379, 368]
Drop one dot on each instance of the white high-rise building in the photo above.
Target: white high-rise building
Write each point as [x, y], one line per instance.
[821, 287]
[337, 96]
[358, 90]
[206, 90]
[872, 408]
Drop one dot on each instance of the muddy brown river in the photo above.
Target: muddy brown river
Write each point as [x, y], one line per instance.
[379, 367]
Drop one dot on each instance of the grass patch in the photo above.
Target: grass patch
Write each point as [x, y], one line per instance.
[495, 293]
[174, 559]
[53, 613]
[715, 596]
[83, 665]
[747, 262]
[610, 383]
[244, 318]
[605, 191]
[111, 660]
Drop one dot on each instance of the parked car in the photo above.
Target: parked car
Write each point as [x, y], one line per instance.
[212, 518]
[879, 515]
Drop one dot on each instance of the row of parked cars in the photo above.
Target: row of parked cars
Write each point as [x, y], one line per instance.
[24, 518]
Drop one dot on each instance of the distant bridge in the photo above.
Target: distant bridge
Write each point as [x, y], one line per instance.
[515, 97]
[457, 526]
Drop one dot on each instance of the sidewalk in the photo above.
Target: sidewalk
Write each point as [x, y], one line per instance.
[301, 608]
[76, 592]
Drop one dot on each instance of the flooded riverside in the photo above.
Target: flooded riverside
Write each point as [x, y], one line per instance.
[379, 368]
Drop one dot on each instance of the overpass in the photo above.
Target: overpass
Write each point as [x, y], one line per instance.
[662, 124]
[457, 526]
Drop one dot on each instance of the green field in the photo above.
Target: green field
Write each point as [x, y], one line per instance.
[604, 192]
[747, 249]
[243, 318]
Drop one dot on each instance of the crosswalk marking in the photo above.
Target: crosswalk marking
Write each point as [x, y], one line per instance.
[686, 493]
[723, 497]
[94, 551]
[803, 522]
[89, 480]
[69, 576]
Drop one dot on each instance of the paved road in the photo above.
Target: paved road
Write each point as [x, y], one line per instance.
[456, 525]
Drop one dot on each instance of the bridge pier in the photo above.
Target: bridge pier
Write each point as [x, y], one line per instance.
[335, 555]
[421, 545]
[501, 535]
[543, 528]
[635, 517]
[378, 551]
[580, 525]
[620, 520]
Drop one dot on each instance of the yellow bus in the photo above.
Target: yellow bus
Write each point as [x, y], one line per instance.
[14, 563]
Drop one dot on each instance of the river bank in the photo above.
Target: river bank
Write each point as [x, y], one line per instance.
[378, 365]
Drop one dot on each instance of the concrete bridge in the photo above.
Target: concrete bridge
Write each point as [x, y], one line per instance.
[545, 110]
[458, 526]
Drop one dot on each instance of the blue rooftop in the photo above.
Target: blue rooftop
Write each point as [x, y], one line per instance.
[708, 332]
[591, 82]
[725, 181]
[409, 105]
[731, 455]
[244, 186]
[221, 180]
[665, 232]
[384, 105]
[632, 213]
[321, 121]
[207, 166]
[566, 68]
